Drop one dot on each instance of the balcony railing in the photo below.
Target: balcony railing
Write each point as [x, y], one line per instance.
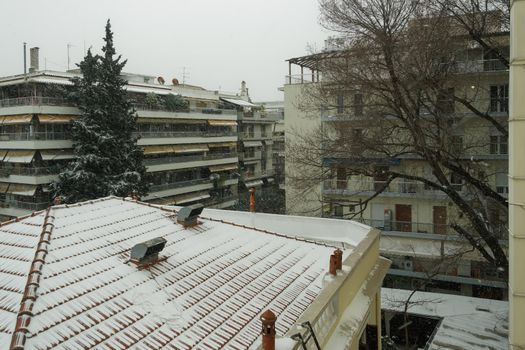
[160, 134]
[33, 171]
[60, 101]
[360, 186]
[409, 226]
[24, 205]
[35, 136]
[183, 159]
[168, 186]
[35, 101]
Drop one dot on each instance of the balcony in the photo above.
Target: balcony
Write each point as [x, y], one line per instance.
[31, 206]
[160, 134]
[397, 188]
[409, 226]
[29, 171]
[179, 184]
[35, 101]
[35, 136]
[184, 159]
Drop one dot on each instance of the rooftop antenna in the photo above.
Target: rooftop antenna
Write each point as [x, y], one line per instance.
[25, 64]
[184, 75]
[69, 45]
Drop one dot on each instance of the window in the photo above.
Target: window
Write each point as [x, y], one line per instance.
[502, 183]
[499, 144]
[445, 101]
[340, 103]
[499, 98]
[358, 104]
[338, 210]
[456, 181]
[456, 145]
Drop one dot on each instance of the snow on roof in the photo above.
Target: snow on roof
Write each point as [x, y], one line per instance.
[346, 232]
[207, 293]
[468, 323]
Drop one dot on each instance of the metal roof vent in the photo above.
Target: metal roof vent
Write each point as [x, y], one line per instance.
[146, 253]
[187, 216]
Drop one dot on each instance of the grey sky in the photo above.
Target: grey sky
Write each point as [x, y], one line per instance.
[220, 42]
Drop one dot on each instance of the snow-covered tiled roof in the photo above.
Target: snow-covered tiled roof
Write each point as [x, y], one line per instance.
[467, 323]
[207, 293]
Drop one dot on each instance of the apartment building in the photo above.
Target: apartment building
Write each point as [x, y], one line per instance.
[415, 219]
[191, 152]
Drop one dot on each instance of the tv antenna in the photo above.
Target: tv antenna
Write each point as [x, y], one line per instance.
[69, 45]
[185, 75]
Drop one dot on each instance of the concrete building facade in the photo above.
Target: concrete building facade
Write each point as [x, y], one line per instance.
[411, 215]
[191, 153]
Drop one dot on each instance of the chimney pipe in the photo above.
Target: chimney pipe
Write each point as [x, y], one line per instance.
[333, 265]
[33, 59]
[268, 319]
[338, 259]
[252, 199]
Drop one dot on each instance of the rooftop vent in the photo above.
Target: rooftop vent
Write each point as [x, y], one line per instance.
[187, 216]
[147, 252]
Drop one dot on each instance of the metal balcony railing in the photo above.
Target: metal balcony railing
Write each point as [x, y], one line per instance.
[357, 186]
[32, 171]
[168, 186]
[35, 101]
[60, 101]
[162, 134]
[35, 136]
[409, 226]
[183, 159]
[32, 206]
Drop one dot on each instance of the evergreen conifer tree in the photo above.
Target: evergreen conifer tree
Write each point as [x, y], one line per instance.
[108, 160]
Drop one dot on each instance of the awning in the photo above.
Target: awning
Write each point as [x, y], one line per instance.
[252, 143]
[19, 156]
[253, 183]
[17, 119]
[170, 121]
[148, 150]
[223, 167]
[238, 102]
[3, 153]
[190, 148]
[222, 122]
[52, 80]
[22, 189]
[268, 142]
[191, 197]
[3, 187]
[222, 144]
[53, 154]
[55, 118]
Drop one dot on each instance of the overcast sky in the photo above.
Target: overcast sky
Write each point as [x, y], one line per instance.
[220, 42]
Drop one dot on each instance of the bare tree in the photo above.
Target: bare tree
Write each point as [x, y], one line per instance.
[400, 79]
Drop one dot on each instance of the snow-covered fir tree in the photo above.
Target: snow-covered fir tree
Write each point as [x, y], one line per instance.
[108, 160]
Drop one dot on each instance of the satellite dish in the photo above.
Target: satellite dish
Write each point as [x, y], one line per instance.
[161, 80]
[175, 81]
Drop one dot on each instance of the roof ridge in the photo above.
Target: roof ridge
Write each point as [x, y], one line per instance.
[33, 279]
